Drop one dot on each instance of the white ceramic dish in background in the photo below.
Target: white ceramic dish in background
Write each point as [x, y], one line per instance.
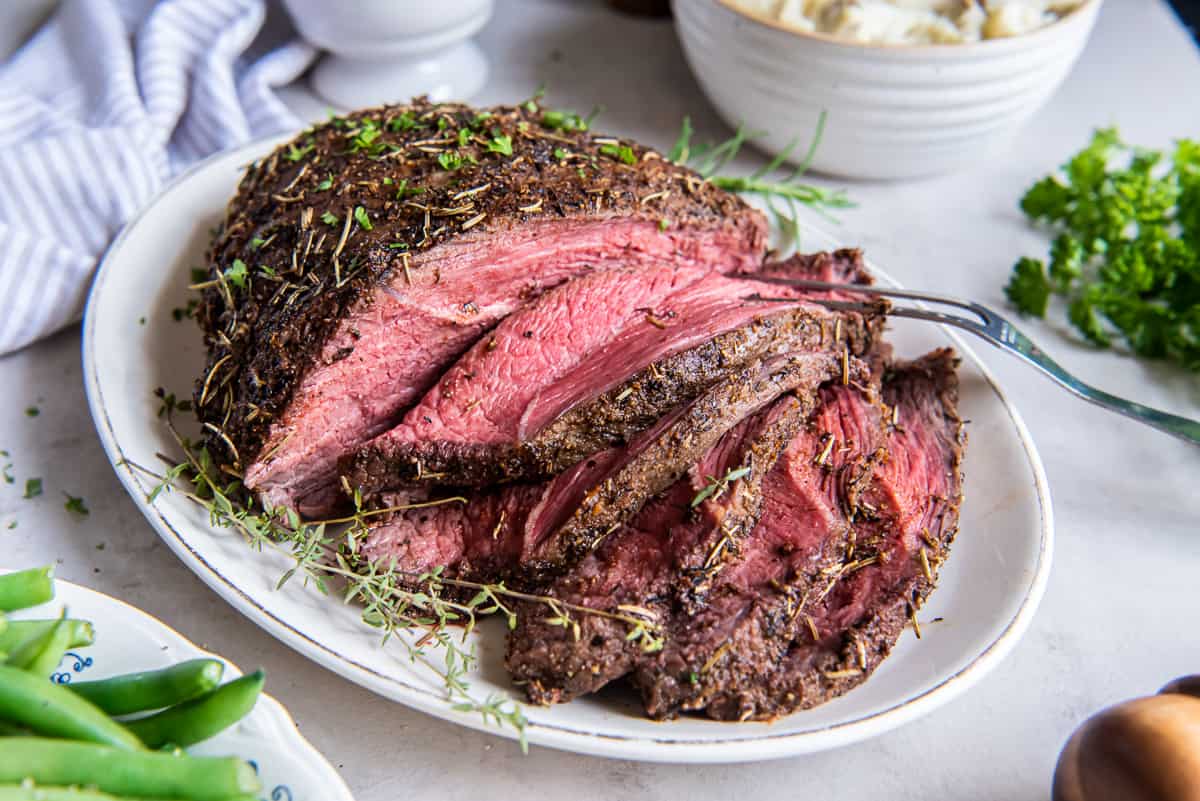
[387, 51]
[987, 597]
[892, 111]
[129, 640]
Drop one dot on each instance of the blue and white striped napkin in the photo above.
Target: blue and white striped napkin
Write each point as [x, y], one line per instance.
[101, 107]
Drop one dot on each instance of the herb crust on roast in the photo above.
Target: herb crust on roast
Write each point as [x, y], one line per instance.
[358, 260]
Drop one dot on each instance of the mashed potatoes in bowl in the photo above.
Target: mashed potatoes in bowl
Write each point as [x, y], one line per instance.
[896, 102]
[911, 21]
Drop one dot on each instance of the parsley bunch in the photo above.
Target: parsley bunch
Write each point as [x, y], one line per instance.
[1127, 255]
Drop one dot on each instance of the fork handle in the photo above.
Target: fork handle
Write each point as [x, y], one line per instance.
[997, 330]
[1007, 337]
[1180, 427]
[1016, 343]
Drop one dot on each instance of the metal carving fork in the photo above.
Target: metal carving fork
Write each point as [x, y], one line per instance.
[996, 330]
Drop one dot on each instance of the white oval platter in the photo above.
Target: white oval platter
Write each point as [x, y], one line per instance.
[987, 595]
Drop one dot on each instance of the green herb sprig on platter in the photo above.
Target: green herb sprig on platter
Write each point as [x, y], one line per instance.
[435, 612]
[781, 189]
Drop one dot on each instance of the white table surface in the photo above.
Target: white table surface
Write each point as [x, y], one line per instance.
[1119, 618]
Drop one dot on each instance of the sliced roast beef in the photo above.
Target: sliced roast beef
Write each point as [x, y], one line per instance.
[718, 574]
[906, 517]
[632, 575]
[729, 493]
[664, 453]
[532, 530]
[590, 365]
[842, 266]
[358, 261]
[722, 637]
[854, 519]
[909, 521]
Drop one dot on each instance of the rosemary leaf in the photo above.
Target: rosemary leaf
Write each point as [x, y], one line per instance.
[785, 188]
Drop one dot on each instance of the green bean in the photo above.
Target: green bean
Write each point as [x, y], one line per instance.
[40, 655]
[26, 588]
[12, 730]
[146, 774]
[19, 631]
[55, 711]
[201, 718]
[56, 644]
[14, 792]
[152, 689]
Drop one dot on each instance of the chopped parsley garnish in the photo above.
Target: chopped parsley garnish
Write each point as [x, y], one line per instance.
[141, 321]
[622, 153]
[716, 486]
[267, 271]
[294, 153]
[404, 122]
[76, 505]
[566, 121]
[481, 119]
[1126, 256]
[450, 160]
[6, 472]
[403, 190]
[553, 119]
[325, 185]
[329, 218]
[365, 138]
[257, 243]
[464, 136]
[362, 218]
[502, 144]
[32, 411]
[561, 154]
[236, 273]
[664, 224]
[398, 246]
[33, 488]
[387, 180]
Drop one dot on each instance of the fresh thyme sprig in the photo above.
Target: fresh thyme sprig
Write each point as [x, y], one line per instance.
[709, 160]
[393, 600]
[717, 487]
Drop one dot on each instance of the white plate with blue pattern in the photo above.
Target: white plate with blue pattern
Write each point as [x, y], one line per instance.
[129, 640]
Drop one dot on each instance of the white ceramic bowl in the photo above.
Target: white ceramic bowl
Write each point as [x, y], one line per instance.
[892, 111]
[388, 51]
